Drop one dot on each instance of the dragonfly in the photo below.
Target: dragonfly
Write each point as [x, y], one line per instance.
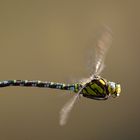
[95, 87]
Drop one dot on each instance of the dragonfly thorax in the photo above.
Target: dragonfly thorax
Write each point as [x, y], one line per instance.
[95, 88]
[99, 88]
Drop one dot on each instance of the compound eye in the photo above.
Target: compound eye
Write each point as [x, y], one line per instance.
[112, 86]
[118, 89]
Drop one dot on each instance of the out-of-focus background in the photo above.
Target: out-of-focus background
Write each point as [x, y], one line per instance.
[48, 40]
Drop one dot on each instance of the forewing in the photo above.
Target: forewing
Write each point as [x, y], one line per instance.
[101, 48]
[98, 53]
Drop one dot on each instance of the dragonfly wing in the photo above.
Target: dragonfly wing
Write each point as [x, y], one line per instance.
[102, 45]
[64, 113]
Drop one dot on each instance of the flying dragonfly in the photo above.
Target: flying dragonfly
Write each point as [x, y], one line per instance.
[94, 87]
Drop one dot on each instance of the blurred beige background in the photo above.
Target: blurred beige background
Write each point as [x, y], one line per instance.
[47, 40]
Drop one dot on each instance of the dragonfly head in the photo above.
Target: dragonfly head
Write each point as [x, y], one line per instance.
[114, 89]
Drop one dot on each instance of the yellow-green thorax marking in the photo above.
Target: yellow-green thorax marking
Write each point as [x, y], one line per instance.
[100, 88]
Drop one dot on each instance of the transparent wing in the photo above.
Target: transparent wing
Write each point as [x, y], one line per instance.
[64, 113]
[99, 53]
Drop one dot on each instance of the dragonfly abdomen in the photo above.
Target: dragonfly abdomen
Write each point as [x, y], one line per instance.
[41, 84]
